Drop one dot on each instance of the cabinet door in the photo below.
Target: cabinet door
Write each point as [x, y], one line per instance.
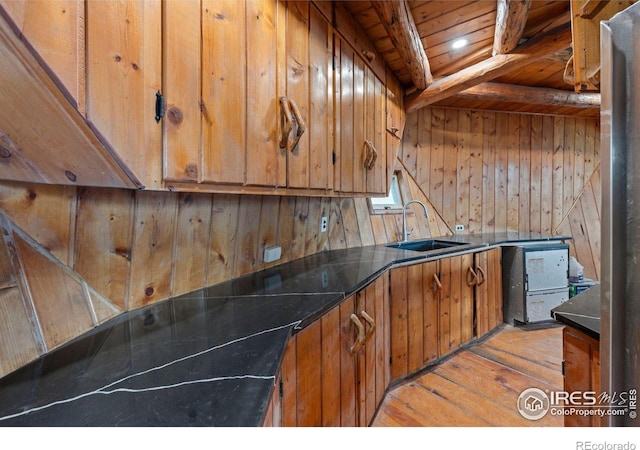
[456, 303]
[488, 291]
[360, 99]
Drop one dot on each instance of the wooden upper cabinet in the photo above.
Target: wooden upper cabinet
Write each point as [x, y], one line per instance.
[360, 142]
[262, 67]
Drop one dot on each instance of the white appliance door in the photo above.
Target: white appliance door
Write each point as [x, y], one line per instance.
[546, 269]
[539, 304]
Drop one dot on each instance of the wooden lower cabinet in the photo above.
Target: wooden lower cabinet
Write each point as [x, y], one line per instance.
[327, 379]
[438, 306]
[581, 355]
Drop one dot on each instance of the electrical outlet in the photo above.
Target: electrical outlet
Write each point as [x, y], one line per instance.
[324, 223]
[459, 227]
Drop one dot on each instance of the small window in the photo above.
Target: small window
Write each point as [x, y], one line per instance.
[390, 203]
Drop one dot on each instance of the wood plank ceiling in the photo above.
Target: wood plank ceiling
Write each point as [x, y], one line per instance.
[519, 54]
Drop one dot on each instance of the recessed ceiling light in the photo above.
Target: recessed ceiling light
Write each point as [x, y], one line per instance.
[459, 43]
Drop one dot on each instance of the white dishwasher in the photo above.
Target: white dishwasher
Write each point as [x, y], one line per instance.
[535, 280]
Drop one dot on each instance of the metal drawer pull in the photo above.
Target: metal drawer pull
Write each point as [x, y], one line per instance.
[301, 127]
[372, 325]
[355, 348]
[286, 122]
[474, 277]
[483, 276]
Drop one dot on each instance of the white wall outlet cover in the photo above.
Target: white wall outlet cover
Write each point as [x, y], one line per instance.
[459, 227]
[323, 224]
[272, 253]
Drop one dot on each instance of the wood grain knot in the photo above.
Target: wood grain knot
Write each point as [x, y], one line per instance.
[175, 116]
[32, 195]
[149, 291]
[191, 171]
[70, 175]
[5, 153]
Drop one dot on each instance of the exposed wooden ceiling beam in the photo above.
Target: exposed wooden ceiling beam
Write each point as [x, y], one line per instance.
[526, 94]
[511, 20]
[397, 20]
[496, 66]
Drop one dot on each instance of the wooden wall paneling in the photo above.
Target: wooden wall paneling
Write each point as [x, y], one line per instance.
[592, 229]
[337, 239]
[476, 180]
[286, 217]
[396, 119]
[7, 278]
[103, 238]
[535, 181]
[191, 242]
[592, 132]
[348, 390]
[415, 317]
[124, 72]
[103, 309]
[399, 322]
[513, 172]
[393, 229]
[267, 228]
[546, 175]
[247, 235]
[224, 101]
[182, 85]
[309, 376]
[437, 158]
[323, 239]
[223, 240]
[152, 249]
[489, 168]
[45, 212]
[20, 339]
[463, 153]
[379, 231]
[501, 171]
[320, 101]
[579, 157]
[524, 192]
[266, 161]
[409, 153]
[422, 144]
[450, 159]
[482, 297]
[59, 299]
[40, 22]
[558, 164]
[298, 86]
[350, 222]
[364, 221]
[289, 383]
[331, 346]
[568, 164]
[301, 213]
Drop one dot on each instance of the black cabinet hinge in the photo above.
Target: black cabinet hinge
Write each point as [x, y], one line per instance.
[159, 106]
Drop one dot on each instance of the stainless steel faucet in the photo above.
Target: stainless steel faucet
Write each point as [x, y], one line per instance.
[404, 218]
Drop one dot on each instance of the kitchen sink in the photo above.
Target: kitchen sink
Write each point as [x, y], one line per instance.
[426, 245]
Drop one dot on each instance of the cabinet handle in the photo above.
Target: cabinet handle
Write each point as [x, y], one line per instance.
[301, 127]
[436, 280]
[355, 348]
[372, 325]
[286, 122]
[372, 155]
[473, 280]
[482, 277]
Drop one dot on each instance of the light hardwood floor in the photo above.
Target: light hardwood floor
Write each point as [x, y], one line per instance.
[479, 386]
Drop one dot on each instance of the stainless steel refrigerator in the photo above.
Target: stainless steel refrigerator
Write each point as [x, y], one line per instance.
[620, 239]
[535, 280]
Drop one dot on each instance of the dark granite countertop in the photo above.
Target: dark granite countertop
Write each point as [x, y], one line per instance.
[207, 358]
[581, 312]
